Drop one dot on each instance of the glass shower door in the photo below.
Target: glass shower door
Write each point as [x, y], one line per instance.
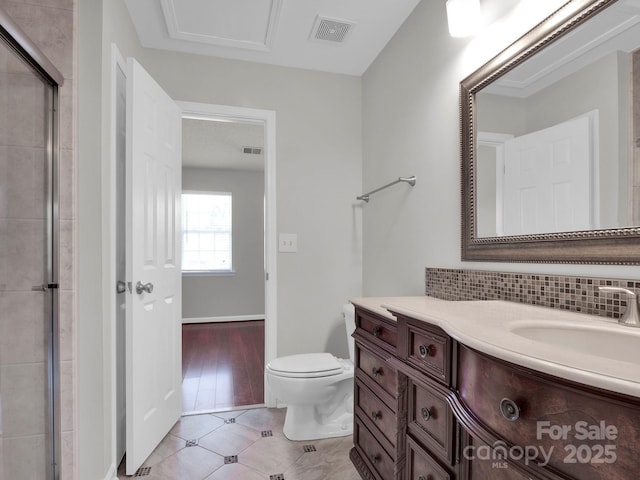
[27, 289]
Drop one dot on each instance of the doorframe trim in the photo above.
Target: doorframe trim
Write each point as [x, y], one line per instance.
[110, 380]
[497, 141]
[267, 118]
[247, 115]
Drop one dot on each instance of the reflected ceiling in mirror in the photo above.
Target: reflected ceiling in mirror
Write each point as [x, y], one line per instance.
[550, 131]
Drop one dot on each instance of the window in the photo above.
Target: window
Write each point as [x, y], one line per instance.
[206, 232]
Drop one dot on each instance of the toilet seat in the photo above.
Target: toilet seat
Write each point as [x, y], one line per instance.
[307, 365]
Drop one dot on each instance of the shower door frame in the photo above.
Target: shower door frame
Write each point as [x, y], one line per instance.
[17, 41]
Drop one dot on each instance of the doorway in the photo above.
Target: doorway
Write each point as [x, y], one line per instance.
[194, 111]
[223, 274]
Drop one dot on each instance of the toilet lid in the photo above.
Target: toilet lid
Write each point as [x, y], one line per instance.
[306, 365]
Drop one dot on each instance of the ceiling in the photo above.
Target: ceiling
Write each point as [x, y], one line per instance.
[338, 36]
[218, 144]
[280, 32]
[615, 29]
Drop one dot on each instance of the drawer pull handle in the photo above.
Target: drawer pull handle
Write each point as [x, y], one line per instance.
[509, 409]
[426, 350]
[374, 457]
[426, 413]
[376, 331]
[376, 415]
[422, 477]
[375, 371]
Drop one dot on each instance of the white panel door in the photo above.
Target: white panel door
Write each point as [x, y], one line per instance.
[153, 331]
[547, 180]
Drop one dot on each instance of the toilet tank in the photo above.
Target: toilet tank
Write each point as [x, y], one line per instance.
[349, 312]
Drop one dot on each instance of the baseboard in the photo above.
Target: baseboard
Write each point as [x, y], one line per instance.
[239, 408]
[235, 318]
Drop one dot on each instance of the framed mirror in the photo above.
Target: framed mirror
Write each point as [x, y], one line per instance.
[550, 142]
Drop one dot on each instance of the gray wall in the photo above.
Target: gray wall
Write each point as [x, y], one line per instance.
[243, 292]
[319, 165]
[334, 134]
[411, 126]
[318, 175]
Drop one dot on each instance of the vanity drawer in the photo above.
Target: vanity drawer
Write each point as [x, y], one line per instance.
[422, 466]
[431, 420]
[376, 457]
[376, 329]
[478, 467]
[378, 415]
[545, 407]
[428, 349]
[376, 369]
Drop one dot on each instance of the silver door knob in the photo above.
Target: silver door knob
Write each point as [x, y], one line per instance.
[144, 287]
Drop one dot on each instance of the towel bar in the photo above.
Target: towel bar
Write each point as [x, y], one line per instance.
[410, 180]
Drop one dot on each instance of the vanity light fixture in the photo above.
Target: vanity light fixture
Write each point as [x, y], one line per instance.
[463, 17]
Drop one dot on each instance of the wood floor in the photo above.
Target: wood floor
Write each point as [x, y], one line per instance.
[222, 365]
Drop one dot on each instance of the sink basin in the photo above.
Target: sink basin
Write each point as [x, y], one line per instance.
[612, 341]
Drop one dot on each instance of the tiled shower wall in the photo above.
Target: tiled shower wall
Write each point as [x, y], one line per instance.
[577, 294]
[23, 338]
[51, 25]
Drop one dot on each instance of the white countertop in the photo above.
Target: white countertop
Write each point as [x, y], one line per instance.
[487, 327]
[374, 304]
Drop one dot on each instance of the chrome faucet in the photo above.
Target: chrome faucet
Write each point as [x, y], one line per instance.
[631, 316]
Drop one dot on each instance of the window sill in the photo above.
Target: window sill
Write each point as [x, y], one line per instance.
[208, 273]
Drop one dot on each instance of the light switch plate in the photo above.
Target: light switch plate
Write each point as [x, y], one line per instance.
[288, 242]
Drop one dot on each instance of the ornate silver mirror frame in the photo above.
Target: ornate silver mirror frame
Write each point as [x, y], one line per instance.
[609, 246]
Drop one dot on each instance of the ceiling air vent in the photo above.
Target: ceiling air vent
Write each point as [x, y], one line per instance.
[331, 29]
[252, 150]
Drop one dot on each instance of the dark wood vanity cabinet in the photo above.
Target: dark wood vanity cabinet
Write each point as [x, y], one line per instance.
[425, 357]
[430, 408]
[564, 429]
[379, 399]
[404, 427]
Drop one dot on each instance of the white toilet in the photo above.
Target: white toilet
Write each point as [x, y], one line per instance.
[318, 390]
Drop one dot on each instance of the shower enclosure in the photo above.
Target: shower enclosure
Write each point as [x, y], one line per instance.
[29, 391]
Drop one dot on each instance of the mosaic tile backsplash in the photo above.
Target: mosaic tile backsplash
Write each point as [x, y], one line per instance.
[577, 294]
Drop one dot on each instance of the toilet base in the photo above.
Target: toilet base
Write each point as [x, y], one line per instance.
[304, 422]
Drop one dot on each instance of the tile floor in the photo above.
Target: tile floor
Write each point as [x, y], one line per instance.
[244, 445]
